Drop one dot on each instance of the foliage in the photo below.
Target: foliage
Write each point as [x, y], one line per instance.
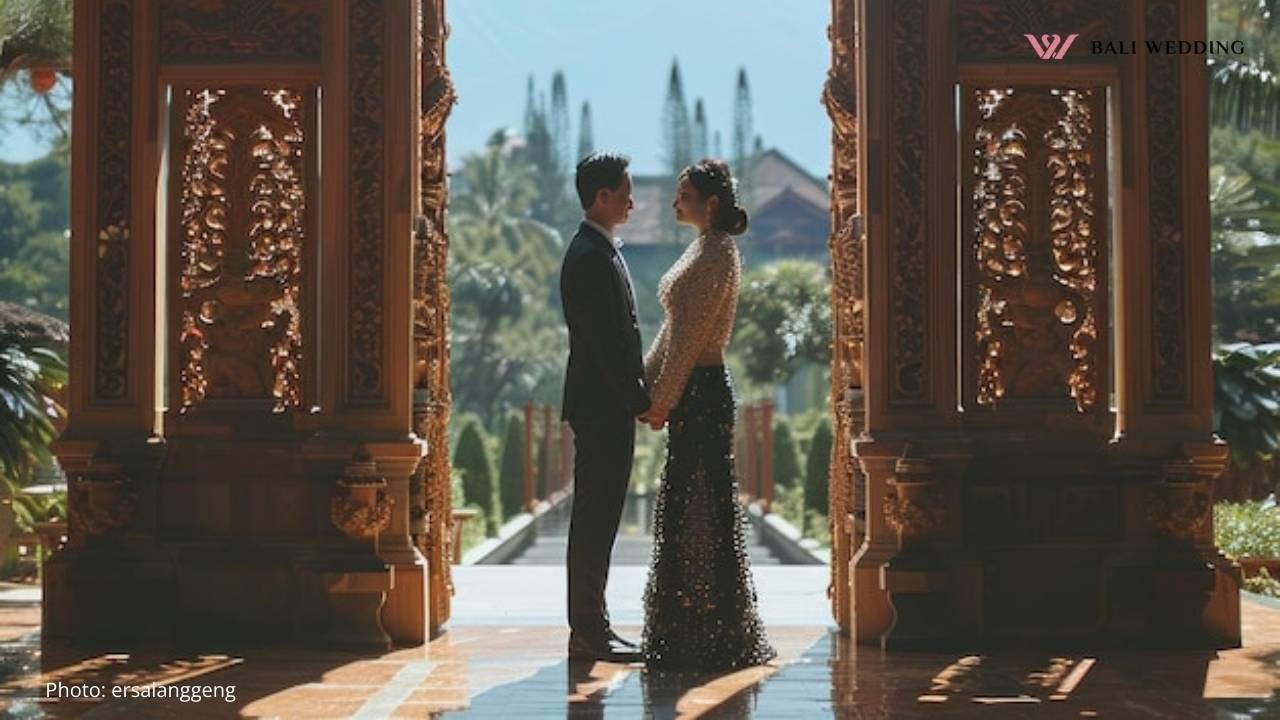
[1246, 255]
[471, 459]
[31, 376]
[586, 139]
[747, 146]
[546, 151]
[786, 456]
[784, 318]
[473, 531]
[677, 131]
[1246, 410]
[1247, 529]
[1263, 584]
[788, 504]
[35, 34]
[817, 528]
[1245, 90]
[817, 468]
[511, 474]
[34, 244]
[508, 338]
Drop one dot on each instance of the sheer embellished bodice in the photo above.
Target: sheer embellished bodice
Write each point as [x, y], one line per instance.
[699, 297]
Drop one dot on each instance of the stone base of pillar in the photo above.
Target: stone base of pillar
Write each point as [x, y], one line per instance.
[404, 614]
[107, 594]
[935, 603]
[356, 600]
[871, 614]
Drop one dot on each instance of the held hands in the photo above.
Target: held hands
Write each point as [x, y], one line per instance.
[654, 417]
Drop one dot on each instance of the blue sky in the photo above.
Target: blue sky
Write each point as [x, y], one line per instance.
[618, 57]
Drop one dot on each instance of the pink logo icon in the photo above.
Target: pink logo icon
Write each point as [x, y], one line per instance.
[1046, 45]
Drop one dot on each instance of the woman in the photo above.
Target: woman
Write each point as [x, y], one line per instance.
[700, 602]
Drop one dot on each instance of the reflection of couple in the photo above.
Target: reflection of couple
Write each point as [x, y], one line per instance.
[700, 602]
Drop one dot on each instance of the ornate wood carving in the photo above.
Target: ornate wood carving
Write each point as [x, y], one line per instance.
[1036, 285]
[431, 303]
[992, 30]
[368, 215]
[242, 233]
[841, 100]
[111, 273]
[258, 31]
[908, 261]
[1168, 250]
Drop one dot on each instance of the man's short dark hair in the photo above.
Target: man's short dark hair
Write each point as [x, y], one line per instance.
[599, 171]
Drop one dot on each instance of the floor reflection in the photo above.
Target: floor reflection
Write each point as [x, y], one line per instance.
[521, 672]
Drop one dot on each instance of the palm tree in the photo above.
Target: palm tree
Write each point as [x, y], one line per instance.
[489, 214]
[32, 375]
[1246, 258]
[1245, 90]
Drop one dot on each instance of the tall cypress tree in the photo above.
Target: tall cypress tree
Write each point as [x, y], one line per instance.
[530, 109]
[511, 474]
[472, 459]
[700, 147]
[677, 138]
[586, 139]
[743, 134]
[717, 147]
[817, 480]
[786, 456]
[559, 121]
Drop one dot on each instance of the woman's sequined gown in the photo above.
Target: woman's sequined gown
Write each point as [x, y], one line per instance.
[700, 601]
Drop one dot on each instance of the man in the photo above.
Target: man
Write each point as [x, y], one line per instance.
[604, 393]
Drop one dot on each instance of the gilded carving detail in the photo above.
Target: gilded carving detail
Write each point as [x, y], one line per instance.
[839, 95]
[241, 272]
[360, 507]
[431, 303]
[1075, 250]
[1037, 244]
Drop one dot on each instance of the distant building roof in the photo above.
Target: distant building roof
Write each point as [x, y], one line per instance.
[787, 205]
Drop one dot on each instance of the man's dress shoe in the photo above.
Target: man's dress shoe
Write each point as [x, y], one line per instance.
[608, 649]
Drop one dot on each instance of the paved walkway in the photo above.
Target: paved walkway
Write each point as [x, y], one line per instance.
[633, 546]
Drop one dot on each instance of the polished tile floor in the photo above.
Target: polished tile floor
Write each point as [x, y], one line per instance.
[517, 669]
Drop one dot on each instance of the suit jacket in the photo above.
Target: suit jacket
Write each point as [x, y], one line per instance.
[606, 364]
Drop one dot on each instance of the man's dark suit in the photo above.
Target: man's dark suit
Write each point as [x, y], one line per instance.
[603, 393]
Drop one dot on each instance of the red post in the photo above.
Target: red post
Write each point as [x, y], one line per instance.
[528, 456]
[547, 467]
[766, 494]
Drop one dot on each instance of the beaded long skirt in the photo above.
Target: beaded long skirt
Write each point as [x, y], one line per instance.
[700, 600]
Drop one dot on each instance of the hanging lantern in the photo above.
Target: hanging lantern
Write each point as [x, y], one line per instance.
[43, 79]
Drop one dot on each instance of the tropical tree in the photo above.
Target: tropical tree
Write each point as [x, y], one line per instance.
[784, 313]
[508, 337]
[490, 214]
[35, 51]
[1245, 236]
[1245, 88]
